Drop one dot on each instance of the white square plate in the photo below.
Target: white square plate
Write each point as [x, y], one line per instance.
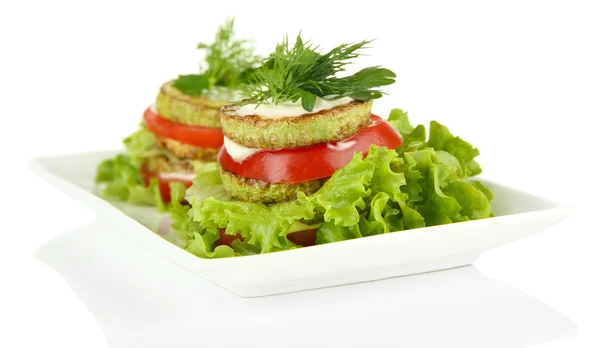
[518, 215]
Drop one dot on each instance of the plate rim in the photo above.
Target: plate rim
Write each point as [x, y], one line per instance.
[102, 207]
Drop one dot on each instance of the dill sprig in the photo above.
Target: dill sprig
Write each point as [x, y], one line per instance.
[301, 72]
[229, 62]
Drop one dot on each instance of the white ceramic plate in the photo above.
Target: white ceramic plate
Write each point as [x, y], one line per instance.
[518, 215]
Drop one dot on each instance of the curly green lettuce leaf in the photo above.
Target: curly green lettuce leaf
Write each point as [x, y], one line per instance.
[343, 196]
[385, 178]
[422, 188]
[438, 208]
[412, 190]
[202, 245]
[182, 218]
[439, 204]
[120, 176]
[481, 187]
[120, 180]
[243, 249]
[424, 183]
[377, 221]
[329, 232]
[473, 202]
[147, 195]
[264, 226]
[414, 138]
[446, 158]
[141, 145]
[350, 192]
[206, 184]
[447, 197]
[440, 138]
[410, 219]
[399, 120]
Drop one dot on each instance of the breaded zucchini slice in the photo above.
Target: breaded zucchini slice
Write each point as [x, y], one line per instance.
[333, 124]
[257, 191]
[182, 108]
[162, 164]
[186, 151]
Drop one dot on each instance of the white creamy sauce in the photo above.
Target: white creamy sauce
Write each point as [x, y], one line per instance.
[238, 152]
[341, 145]
[289, 109]
[187, 176]
[153, 108]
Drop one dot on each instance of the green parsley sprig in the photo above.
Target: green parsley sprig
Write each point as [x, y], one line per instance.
[301, 72]
[229, 62]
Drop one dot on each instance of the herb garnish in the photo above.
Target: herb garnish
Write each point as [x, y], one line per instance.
[300, 72]
[229, 62]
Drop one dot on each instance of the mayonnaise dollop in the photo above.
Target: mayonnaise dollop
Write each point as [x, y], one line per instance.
[289, 109]
[341, 145]
[238, 152]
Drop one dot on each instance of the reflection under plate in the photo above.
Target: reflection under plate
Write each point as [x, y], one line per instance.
[141, 300]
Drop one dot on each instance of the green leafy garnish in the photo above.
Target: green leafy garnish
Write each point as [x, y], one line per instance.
[192, 84]
[301, 72]
[141, 145]
[229, 62]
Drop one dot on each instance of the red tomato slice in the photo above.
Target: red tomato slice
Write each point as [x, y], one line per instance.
[191, 135]
[311, 162]
[304, 238]
[227, 239]
[163, 184]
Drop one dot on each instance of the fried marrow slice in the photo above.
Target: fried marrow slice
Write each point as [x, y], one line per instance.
[257, 191]
[185, 151]
[334, 124]
[182, 108]
[162, 164]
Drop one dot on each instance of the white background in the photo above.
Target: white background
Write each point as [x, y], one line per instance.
[519, 79]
